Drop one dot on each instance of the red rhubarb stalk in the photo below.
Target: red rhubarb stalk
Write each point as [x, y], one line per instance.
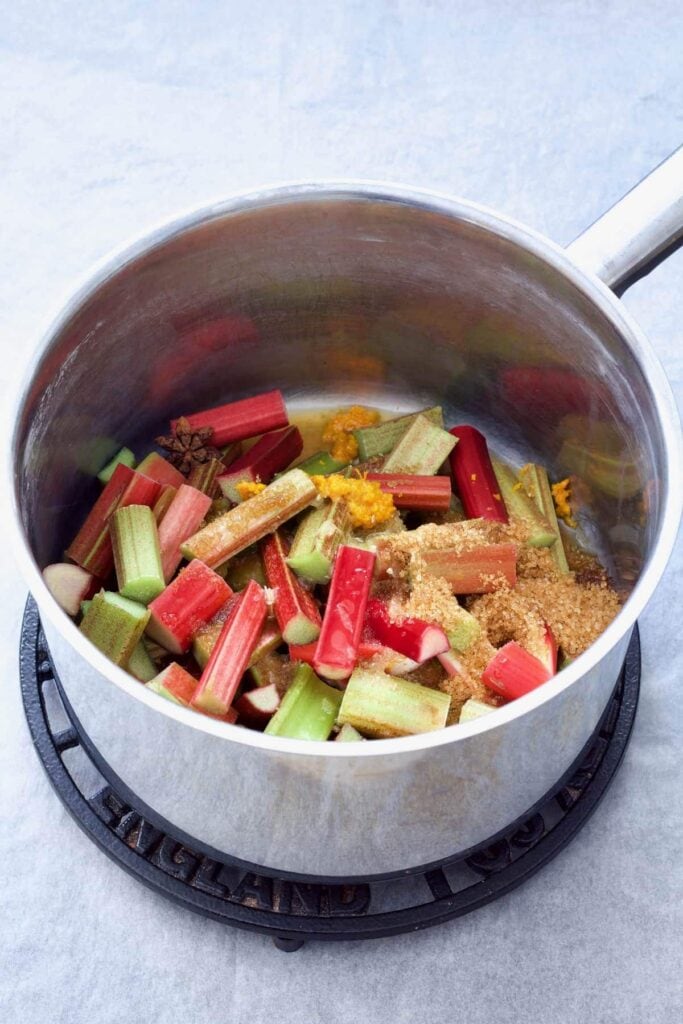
[246, 418]
[474, 478]
[156, 467]
[271, 454]
[295, 608]
[230, 657]
[417, 639]
[69, 585]
[512, 672]
[479, 570]
[194, 597]
[183, 518]
[257, 707]
[337, 649]
[91, 547]
[174, 683]
[428, 493]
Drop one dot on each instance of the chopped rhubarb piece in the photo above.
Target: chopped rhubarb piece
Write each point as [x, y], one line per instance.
[136, 553]
[422, 450]
[91, 548]
[382, 706]
[422, 493]
[125, 457]
[175, 684]
[194, 597]
[203, 476]
[69, 585]
[230, 656]
[271, 454]
[337, 649]
[474, 478]
[183, 518]
[321, 464]
[246, 566]
[317, 539]
[537, 486]
[512, 672]
[140, 664]
[243, 525]
[156, 467]
[347, 734]
[257, 707]
[163, 502]
[417, 639]
[308, 709]
[520, 505]
[479, 570]
[115, 625]
[238, 420]
[381, 438]
[472, 709]
[295, 607]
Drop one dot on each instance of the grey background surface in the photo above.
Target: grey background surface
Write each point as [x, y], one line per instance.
[114, 116]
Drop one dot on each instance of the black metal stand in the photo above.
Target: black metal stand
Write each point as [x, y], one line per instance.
[292, 911]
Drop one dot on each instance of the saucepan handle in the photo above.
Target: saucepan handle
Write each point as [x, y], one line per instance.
[639, 231]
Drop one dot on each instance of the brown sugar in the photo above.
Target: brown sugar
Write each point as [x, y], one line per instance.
[576, 613]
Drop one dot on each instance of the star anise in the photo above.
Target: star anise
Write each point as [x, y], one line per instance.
[188, 446]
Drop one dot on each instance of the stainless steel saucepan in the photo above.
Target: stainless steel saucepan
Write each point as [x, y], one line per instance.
[393, 297]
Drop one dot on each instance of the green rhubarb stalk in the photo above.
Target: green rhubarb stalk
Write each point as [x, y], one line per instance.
[380, 439]
[125, 456]
[520, 505]
[423, 449]
[537, 486]
[140, 664]
[136, 553]
[316, 540]
[463, 631]
[321, 464]
[383, 706]
[472, 709]
[347, 734]
[308, 710]
[115, 625]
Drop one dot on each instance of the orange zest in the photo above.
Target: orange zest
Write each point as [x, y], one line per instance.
[562, 492]
[368, 505]
[339, 431]
[249, 488]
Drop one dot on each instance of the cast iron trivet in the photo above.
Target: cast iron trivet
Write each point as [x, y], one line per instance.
[291, 910]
